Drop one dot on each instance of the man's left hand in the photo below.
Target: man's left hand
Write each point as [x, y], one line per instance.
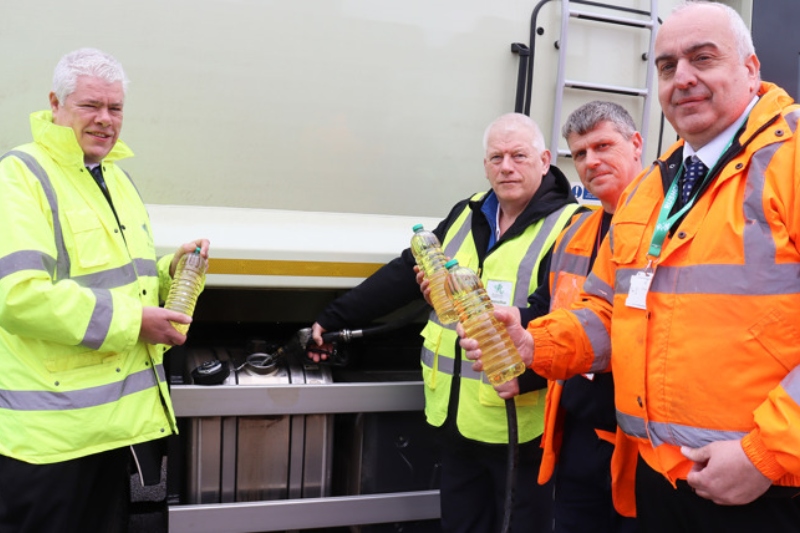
[724, 474]
[188, 248]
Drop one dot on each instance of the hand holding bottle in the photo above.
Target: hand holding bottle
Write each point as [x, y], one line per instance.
[188, 281]
[188, 248]
[430, 259]
[500, 361]
[157, 328]
[522, 340]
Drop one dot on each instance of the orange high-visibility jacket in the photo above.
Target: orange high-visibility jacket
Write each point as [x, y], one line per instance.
[715, 355]
[569, 266]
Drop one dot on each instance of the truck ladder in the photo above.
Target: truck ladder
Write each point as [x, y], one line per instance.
[525, 79]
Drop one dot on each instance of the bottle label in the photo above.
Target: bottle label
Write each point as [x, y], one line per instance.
[501, 292]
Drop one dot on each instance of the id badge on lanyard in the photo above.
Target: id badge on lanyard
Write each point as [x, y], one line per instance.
[639, 287]
[642, 280]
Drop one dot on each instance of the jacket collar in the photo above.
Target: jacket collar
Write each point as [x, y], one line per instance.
[61, 144]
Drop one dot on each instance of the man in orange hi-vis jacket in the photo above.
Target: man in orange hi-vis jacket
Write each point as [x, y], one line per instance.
[580, 423]
[694, 299]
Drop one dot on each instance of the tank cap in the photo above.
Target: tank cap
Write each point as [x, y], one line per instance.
[417, 227]
[450, 264]
[261, 363]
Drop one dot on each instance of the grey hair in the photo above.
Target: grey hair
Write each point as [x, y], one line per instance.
[588, 116]
[86, 62]
[516, 121]
[741, 33]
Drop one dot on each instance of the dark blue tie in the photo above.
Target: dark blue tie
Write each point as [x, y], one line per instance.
[695, 170]
[97, 174]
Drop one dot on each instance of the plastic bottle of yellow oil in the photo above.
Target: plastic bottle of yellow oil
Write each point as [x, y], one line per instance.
[431, 260]
[190, 274]
[501, 361]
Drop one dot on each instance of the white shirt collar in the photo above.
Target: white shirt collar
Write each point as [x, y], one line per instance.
[711, 152]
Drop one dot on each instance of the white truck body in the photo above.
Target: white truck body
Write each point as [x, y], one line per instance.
[305, 139]
[357, 107]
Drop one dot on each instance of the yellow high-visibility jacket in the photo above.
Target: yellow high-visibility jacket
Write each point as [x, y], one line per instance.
[481, 412]
[74, 277]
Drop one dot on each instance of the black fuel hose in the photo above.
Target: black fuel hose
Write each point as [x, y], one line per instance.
[511, 465]
[346, 335]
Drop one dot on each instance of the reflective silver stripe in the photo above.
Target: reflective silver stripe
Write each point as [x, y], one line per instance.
[623, 279]
[741, 280]
[100, 322]
[631, 425]
[610, 237]
[598, 337]
[766, 279]
[759, 245]
[597, 287]
[26, 260]
[458, 239]
[792, 119]
[570, 264]
[135, 188]
[642, 180]
[63, 263]
[674, 434]
[531, 258]
[145, 267]
[564, 261]
[78, 399]
[791, 384]
[162, 374]
[108, 279]
[446, 365]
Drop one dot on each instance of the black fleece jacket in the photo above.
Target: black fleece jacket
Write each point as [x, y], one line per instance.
[394, 285]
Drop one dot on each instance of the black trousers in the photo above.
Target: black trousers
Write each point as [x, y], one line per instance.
[662, 509]
[85, 495]
[583, 501]
[473, 483]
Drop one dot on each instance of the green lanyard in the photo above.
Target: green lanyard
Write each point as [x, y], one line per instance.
[665, 222]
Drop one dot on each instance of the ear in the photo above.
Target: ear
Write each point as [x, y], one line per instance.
[636, 139]
[753, 66]
[54, 103]
[545, 155]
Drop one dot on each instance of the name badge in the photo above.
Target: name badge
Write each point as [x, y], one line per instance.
[637, 294]
[499, 292]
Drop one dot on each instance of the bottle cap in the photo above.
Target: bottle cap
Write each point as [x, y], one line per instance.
[197, 250]
[450, 264]
[417, 227]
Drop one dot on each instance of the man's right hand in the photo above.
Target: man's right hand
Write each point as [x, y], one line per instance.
[157, 329]
[316, 336]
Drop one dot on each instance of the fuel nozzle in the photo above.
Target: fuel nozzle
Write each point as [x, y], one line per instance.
[337, 356]
[301, 343]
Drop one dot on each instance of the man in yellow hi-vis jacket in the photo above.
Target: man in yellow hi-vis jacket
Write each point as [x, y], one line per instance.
[506, 234]
[82, 335]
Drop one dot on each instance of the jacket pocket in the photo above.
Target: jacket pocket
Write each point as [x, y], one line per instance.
[779, 337]
[487, 396]
[91, 245]
[626, 242]
[83, 365]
